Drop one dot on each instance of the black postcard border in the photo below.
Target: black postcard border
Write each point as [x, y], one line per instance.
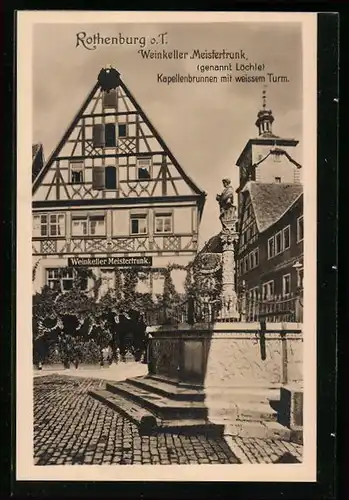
[327, 179]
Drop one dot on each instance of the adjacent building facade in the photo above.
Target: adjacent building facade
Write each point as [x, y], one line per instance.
[112, 188]
[269, 256]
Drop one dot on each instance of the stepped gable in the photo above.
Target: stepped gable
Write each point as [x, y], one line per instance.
[270, 201]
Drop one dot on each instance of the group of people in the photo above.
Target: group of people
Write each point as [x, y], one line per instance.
[129, 333]
[126, 332]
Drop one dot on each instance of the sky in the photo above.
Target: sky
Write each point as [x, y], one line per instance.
[206, 126]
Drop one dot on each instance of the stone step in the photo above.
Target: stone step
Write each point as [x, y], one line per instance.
[262, 430]
[148, 423]
[256, 412]
[144, 419]
[168, 390]
[242, 395]
[172, 381]
[163, 407]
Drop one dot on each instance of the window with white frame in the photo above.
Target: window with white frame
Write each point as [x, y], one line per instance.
[268, 290]
[88, 225]
[67, 278]
[139, 224]
[63, 279]
[286, 234]
[53, 278]
[49, 225]
[163, 223]
[271, 248]
[76, 171]
[286, 285]
[300, 229]
[144, 168]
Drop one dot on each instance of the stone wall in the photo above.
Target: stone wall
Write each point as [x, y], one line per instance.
[229, 354]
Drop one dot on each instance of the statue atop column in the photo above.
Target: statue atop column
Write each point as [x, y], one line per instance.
[226, 206]
[228, 238]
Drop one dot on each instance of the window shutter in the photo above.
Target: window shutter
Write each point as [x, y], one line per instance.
[98, 180]
[98, 135]
[109, 99]
[110, 177]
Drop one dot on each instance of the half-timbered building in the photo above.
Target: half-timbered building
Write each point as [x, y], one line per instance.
[269, 256]
[112, 188]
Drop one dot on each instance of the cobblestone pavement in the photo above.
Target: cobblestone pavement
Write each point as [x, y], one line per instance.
[254, 450]
[70, 427]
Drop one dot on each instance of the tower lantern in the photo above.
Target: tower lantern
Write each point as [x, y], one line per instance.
[265, 118]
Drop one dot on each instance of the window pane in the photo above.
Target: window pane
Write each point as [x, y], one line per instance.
[110, 137]
[43, 219]
[122, 130]
[143, 173]
[143, 225]
[158, 225]
[278, 243]
[286, 238]
[134, 226]
[271, 247]
[110, 177]
[167, 225]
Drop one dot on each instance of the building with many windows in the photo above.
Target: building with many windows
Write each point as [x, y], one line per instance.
[269, 256]
[111, 189]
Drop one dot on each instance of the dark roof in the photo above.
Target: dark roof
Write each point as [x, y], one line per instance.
[271, 201]
[35, 149]
[37, 159]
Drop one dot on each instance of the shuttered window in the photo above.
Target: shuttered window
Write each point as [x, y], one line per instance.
[110, 99]
[110, 177]
[98, 136]
[98, 180]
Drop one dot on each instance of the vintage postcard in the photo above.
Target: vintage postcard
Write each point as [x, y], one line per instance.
[166, 246]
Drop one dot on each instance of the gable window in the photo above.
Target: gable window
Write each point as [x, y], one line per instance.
[286, 285]
[271, 250]
[49, 225]
[278, 243]
[110, 99]
[122, 130]
[139, 224]
[76, 172]
[104, 135]
[98, 178]
[277, 157]
[300, 229]
[110, 177]
[110, 135]
[143, 168]
[286, 233]
[268, 290]
[163, 223]
[88, 225]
